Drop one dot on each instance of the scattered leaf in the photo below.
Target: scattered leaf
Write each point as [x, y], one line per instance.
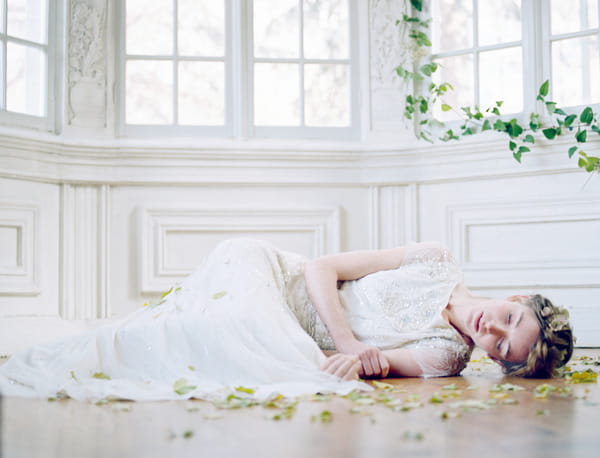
[101, 376]
[219, 295]
[188, 434]
[182, 387]
[324, 417]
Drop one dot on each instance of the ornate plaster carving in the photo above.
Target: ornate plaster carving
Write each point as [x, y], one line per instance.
[87, 57]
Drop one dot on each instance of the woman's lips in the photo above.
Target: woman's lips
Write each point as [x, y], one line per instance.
[477, 322]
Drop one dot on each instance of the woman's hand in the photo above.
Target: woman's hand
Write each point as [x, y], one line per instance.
[346, 367]
[373, 362]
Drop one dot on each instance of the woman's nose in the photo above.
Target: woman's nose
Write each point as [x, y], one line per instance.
[493, 328]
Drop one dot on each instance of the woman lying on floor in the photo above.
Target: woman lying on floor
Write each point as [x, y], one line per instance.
[255, 316]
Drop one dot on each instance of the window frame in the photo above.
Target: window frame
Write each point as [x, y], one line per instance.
[536, 48]
[50, 120]
[239, 94]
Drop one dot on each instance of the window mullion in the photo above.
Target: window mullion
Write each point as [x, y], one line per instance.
[175, 69]
[240, 75]
[544, 48]
[476, 84]
[4, 60]
[301, 64]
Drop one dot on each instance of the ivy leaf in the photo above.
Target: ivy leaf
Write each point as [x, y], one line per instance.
[486, 125]
[407, 18]
[549, 133]
[543, 91]
[429, 69]
[560, 111]
[500, 125]
[572, 150]
[529, 139]
[569, 120]
[446, 107]
[586, 116]
[523, 149]
[551, 107]
[581, 136]
[181, 386]
[423, 106]
[596, 129]
[517, 156]
[512, 145]
[417, 4]
[513, 128]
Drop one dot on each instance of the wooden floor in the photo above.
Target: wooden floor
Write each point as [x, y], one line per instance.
[480, 413]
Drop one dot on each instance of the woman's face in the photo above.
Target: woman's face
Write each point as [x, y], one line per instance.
[506, 330]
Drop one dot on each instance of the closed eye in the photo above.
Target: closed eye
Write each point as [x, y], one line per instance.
[509, 318]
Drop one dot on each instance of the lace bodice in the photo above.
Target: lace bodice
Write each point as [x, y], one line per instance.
[399, 308]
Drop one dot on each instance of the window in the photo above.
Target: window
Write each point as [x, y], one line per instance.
[25, 59]
[263, 68]
[505, 49]
[573, 47]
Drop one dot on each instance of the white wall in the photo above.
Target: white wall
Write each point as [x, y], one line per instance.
[91, 227]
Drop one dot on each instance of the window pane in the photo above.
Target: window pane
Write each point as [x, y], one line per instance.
[501, 78]
[457, 71]
[506, 13]
[25, 80]
[201, 27]
[576, 71]
[27, 20]
[327, 92]
[276, 28]
[149, 28]
[573, 15]
[452, 26]
[276, 95]
[201, 93]
[149, 92]
[326, 29]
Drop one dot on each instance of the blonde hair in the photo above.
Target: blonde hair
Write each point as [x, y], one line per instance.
[554, 347]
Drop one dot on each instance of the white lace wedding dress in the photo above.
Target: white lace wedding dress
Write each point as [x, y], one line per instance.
[243, 318]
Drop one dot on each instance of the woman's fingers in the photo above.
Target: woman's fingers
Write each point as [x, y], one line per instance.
[343, 366]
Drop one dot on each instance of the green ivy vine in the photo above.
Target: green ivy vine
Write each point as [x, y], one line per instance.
[427, 94]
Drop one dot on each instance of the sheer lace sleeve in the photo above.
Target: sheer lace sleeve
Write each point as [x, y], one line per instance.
[440, 356]
[427, 252]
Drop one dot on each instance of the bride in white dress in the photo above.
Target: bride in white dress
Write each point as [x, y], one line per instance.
[260, 318]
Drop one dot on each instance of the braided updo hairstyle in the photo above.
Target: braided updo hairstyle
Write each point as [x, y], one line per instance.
[554, 347]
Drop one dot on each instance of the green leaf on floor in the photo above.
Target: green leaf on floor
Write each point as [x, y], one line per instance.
[101, 376]
[182, 386]
[219, 295]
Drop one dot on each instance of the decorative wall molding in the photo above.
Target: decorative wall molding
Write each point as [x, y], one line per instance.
[19, 273]
[84, 252]
[320, 226]
[393, 216]
[479, 234]
[47, 159]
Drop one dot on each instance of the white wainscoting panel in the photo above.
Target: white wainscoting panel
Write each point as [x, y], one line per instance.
[393, 215]
[19, 248]
[173, 241]
[29, 240]
[535, 242]
[84, 256]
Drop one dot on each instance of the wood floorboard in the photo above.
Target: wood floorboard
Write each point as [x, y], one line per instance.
[463, 424]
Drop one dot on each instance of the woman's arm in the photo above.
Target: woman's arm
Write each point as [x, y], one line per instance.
[322, 276]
